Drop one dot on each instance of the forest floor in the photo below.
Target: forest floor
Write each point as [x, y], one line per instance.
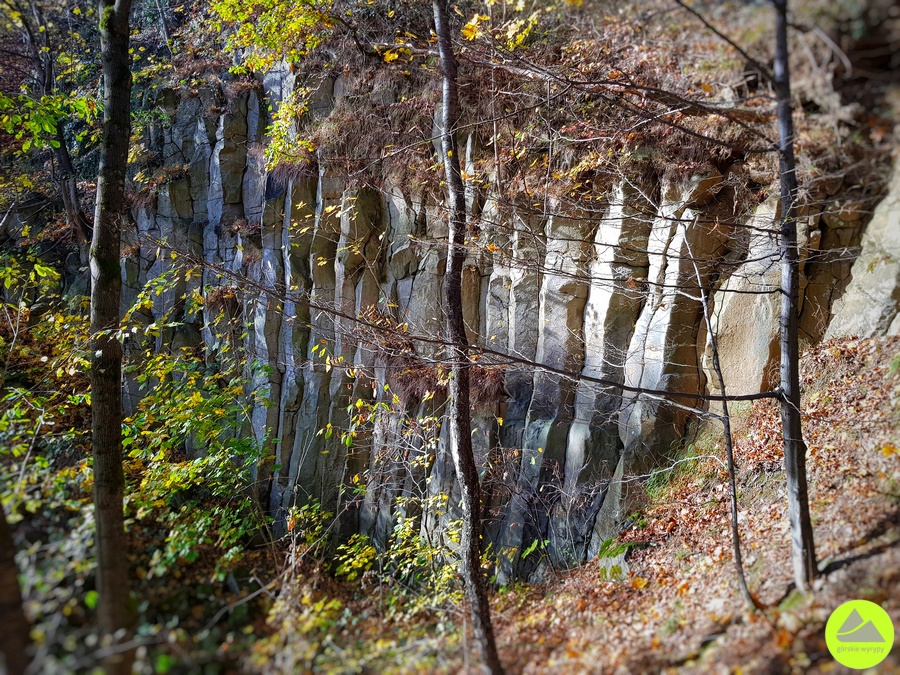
[679, 609]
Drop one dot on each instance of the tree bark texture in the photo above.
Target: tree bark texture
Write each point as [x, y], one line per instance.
[68, 187]
[458, 351]
[42, 57]
[14, 638]
[803, 548]
[106, 362]
[725, 417]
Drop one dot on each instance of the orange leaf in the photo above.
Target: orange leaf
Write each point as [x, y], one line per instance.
[783, 638]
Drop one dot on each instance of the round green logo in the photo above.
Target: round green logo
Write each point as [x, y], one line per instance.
[859, 634]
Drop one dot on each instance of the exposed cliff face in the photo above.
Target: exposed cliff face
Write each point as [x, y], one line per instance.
[871, 304]
[600, 296]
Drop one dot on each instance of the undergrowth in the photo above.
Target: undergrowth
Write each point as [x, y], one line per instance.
[190, 513]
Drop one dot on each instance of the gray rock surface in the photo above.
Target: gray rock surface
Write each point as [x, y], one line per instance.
[598, 298]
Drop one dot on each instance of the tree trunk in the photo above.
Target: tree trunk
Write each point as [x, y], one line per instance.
[459, 417]
[725, 418]
[165, 28]
[68, 187]
[803, 548]
[43, 58]
[14, 638]
[106, 353]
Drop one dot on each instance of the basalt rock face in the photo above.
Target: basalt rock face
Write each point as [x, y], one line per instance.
[601, 297]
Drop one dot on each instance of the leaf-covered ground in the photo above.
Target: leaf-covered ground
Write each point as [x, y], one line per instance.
[679, 609]
[689, 616]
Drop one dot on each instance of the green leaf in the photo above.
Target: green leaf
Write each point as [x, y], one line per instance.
[44, 270]
[163, 663]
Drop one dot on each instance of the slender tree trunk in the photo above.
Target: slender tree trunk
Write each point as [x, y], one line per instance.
[459, 417]
[165, 28]
[106, 362]
[14, 638]
[803, 547]
[726, 430]
[68, 187]
[43, 57]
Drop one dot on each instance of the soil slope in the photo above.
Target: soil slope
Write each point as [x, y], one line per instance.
[680, 610]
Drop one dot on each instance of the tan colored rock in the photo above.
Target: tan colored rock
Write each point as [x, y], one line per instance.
[703, 188]
[851, 212]
[746, 311]
[666, 347]
[869, 306]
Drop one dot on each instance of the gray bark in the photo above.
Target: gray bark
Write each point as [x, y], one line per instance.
[803, 547]
[725, 417]
[458, 351]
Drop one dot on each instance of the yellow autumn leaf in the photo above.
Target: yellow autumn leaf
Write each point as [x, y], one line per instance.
[889, 449]
[706, 87]
[391, 55]
[639, 582]
[472, 28]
